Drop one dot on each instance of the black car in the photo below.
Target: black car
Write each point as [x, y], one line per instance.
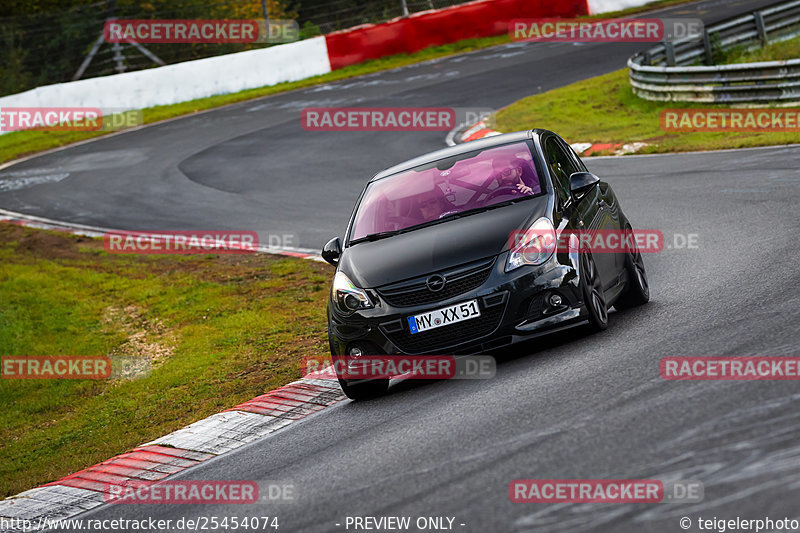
[460, 251]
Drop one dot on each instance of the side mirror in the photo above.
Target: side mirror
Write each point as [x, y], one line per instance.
[581, 182]
[332, 251]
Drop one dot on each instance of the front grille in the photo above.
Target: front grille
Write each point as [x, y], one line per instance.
[428, 342]
[458, 281]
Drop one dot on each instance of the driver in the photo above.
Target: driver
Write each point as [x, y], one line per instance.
[432, 204]
[509, 174]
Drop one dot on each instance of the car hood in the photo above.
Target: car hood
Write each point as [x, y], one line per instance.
[438, 247]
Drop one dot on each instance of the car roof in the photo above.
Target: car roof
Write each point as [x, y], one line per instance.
[470, 146]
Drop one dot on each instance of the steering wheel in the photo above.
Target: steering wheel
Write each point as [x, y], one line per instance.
[501, 191]
[483, 188]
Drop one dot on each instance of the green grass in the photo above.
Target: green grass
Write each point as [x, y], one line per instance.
[23, 143]
[214, 330]
[789, 49]
[605, 110]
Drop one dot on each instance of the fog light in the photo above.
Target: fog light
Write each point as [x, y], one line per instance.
[355, 351]
[554, 300]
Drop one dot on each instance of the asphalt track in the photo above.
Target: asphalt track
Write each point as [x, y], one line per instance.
[568, 406]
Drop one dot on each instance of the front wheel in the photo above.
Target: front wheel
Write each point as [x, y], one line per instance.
[357, 391]
[365, 391]
[638, 290]
[593, 296]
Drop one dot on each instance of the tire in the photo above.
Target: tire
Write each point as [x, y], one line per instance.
[365, 391]
[638, 291]
[593, 296]
[360, 391]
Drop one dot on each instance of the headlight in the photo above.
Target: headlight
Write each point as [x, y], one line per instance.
[534, 246]
[347, 296]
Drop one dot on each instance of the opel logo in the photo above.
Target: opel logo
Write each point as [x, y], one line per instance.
[435, 283]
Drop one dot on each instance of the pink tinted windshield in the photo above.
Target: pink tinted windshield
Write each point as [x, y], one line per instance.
[417, 196]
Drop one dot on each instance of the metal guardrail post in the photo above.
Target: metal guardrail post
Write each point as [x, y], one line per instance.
[761, 28]
[707, 48]
[669, 48]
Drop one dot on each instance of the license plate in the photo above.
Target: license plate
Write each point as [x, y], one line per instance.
[444, 317]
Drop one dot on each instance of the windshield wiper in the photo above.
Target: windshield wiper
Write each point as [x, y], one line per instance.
[377, 236]
[476, 210]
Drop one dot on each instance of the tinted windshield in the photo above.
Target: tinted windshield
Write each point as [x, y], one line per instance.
[434, 191]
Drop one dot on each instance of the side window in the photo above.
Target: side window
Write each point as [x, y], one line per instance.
[576, 161]
[561, 165]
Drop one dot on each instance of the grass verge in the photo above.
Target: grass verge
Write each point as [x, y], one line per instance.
[605, 110]
[214, 330]
[789, 49]
[23, 143]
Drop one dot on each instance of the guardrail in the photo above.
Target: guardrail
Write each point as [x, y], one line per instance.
[668, 72]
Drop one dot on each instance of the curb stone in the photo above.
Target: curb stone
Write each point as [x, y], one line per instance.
[182, 449]
[480, 130]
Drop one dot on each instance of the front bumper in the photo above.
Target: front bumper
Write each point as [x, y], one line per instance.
[514, 307]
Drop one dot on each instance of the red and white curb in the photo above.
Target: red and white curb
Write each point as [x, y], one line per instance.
[481, 130]
[173, 453]
[614, 148]
[31, 221]
[478, 131]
